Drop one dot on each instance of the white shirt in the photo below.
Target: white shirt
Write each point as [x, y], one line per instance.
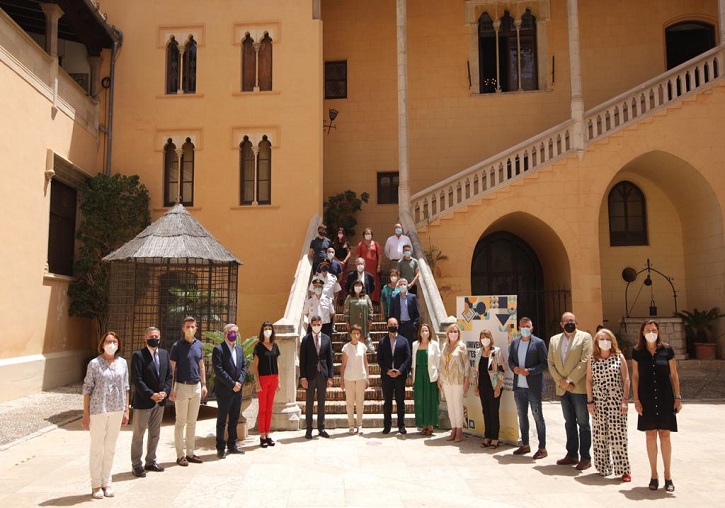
[355, 367]
[394, 246]
[331, 285]
[322, 306]
[233, 350]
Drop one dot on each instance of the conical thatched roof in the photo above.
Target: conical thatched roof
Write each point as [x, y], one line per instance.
[176, 235]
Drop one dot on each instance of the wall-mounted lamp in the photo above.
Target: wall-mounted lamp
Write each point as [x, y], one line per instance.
[333, 114]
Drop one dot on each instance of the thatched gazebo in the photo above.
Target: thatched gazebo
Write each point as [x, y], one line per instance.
[172, 269]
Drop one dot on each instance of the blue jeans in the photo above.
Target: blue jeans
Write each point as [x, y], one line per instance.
[574, 407]
[525, 397]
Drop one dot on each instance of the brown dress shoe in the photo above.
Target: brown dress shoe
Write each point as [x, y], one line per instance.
[522, 449]
[540, 454]
[194, 459]
[182, 461]
[567, 461]
[583, 464]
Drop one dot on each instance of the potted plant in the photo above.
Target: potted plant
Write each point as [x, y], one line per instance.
[698, 325]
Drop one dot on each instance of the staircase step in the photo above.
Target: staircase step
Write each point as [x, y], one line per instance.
[370, 406]
[372, 422]
[338, 394]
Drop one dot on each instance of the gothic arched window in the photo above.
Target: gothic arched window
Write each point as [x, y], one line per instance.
[627, 215]
[173, 56]
[189, 70]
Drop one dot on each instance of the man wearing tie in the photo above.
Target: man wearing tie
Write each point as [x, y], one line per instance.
[404, 308]
[316, 371]
[229, 370]
[394, 359]
[151, 378]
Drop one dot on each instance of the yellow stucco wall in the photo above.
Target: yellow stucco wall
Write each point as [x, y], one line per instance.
[268, 239]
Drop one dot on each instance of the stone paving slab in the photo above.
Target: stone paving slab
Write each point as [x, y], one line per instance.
[367, 470]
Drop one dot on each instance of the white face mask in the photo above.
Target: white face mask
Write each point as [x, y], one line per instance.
[368, 237]
[318, 291]
[605, 345]
[486, 342]
[424, 334]
[360, 268]
[357, 289]
[110, 348]
[316, 328]
[393, 279]
[189, 332]
[267, 333]
[453, 335]
[651, 336]
[330, 255]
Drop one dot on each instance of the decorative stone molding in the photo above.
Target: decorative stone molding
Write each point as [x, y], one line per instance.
[256, 31]
[255, 135]
[181, 33]
[178, 137]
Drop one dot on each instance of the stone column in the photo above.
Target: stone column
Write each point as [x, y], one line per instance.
[179, 157]
[496, 28]
[95, 63]
[53, 13]
[721, 20]
[402, 29]
[575, 75]
[286, 412]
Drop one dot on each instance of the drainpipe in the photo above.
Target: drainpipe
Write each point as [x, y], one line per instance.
[118, 40]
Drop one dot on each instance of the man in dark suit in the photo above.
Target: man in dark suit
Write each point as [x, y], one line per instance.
[229, 370]
[316, 371]
[151, 378]
[528, 360]
[394, 359]
[404, 308]
[360, 274]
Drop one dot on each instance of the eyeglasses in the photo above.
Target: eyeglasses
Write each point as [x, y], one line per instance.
[154, 337]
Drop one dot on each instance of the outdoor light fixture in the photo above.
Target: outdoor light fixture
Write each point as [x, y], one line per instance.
[333, 114]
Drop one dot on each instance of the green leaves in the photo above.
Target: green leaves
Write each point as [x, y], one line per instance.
[339, 211]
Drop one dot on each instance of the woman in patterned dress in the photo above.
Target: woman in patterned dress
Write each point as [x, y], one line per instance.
[105, 409]
[607, 394]
[657, 399]
[453, 374]
[426, 357]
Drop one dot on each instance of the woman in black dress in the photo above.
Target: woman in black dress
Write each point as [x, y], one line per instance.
[657, 399]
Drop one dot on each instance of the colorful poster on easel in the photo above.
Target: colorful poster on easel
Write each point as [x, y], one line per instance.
[497, 314]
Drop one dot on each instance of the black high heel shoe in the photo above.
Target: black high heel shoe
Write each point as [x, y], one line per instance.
[263, 442]
[669, 486]
[654, 484]
[270, 441]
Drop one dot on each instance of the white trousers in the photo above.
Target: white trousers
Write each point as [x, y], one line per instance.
[454, 399]
[105, 428]
[355, 396]
[188, 399]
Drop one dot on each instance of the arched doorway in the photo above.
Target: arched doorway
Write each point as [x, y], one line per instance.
[686, 40]
[502, 264]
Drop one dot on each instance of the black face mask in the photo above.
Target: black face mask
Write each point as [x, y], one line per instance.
[153, 342]
[322, 232]
[393, 329]
[324, 269]
[569, 327]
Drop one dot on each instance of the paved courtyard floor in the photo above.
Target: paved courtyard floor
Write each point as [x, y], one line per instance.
[51, 469]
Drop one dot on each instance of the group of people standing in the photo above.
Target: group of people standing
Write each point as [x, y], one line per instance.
[178, 375]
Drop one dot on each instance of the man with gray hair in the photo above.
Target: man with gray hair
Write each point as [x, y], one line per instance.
[151, 379]
[229, 370]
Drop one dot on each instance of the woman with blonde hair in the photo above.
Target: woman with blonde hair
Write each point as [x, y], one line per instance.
[607, 393]
[105, 410]
[426, 357]
[488, 371]
[453, 375]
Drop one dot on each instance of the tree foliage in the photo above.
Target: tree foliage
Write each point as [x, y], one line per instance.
[339, 211]
[114, 209]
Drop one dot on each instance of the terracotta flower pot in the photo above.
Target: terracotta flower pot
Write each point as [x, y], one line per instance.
[705, 350]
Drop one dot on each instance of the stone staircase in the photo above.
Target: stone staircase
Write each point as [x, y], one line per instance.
[336, 406]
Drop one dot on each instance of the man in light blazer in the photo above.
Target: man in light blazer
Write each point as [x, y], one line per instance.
[151, 379]
[394, 359]
[404, 308]
[316, 371]
[229, 370]
[569, 353]
[528, 361]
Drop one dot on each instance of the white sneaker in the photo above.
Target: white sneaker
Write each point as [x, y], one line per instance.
[97, 494]
[108, 492]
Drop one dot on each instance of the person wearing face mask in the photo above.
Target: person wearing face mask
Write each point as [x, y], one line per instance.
[607, 394]
[657, 398]
[488, 373]
[426, 357]
[319, 246]
[528, 361]
[187, 390]
[316, 372]
[229, 370]
[342, 255]
[151, 379]
[408, 268]
[453, 374]
[372, 255]
[266, 377]
[389, 291]
[404, 308]
[335, 266]
[354, 378]
[331, 286]
[569, 353]
[319, 304]
[358, 310]
[394, 359]
[361, 274]
[394, 246]
[105, 410]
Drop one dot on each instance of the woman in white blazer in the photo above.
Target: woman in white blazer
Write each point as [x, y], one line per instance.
[426, 355]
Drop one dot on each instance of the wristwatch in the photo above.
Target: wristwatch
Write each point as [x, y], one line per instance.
[678, 397]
